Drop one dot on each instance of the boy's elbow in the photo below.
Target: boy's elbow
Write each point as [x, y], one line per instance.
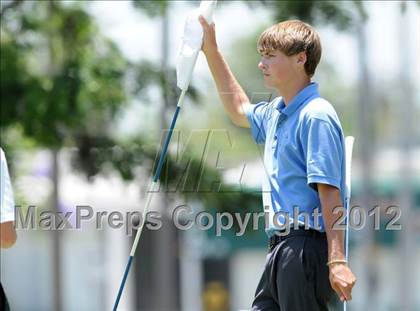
[240, 119]
[240, 122]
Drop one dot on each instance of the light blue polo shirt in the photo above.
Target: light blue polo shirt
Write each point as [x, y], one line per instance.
[304, 145]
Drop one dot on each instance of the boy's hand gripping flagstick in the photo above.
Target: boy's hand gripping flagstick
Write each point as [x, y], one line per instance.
[349, 151]
[192, 41]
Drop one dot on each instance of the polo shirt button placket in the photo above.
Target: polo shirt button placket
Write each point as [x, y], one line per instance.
[280, 122]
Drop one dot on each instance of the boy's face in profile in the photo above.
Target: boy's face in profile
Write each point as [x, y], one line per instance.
[278, 69]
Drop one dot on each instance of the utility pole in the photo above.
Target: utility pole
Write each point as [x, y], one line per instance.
[56, 234]
[366, 144]
[405, 196]
[165, 246]
[55, 175]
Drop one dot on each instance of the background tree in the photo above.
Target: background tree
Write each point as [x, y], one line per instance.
[62, 83]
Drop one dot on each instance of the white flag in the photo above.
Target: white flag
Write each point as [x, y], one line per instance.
[192, 40]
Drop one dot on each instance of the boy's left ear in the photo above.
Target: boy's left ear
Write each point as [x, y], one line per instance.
[301, 58]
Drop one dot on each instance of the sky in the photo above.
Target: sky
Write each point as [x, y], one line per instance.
[138, 36]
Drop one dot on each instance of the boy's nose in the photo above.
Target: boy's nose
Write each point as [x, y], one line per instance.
[261, 65]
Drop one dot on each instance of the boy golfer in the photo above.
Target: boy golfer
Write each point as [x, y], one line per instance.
[305, 165]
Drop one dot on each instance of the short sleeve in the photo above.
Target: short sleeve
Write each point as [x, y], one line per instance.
[324, 153]
[257, 116]
[7, 203]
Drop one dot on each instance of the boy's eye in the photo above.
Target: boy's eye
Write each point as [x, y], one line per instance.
[268, 55]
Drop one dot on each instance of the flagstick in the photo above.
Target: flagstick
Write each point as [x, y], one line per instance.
[155, 183]
[349, 151]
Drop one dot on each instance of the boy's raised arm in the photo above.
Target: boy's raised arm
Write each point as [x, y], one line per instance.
[231, 93]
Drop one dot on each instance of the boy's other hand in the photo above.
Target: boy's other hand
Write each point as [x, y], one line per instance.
[342, 281]
[7, 234]
[209, 38]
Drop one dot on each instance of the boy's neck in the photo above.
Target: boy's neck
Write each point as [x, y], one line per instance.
[288, 92]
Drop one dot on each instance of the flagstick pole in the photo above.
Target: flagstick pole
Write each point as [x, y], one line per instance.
[154, 187]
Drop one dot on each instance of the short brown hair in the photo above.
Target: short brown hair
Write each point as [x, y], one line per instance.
[292, 37]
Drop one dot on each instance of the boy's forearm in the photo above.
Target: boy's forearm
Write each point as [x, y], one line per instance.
[231, 93]
[330, 198]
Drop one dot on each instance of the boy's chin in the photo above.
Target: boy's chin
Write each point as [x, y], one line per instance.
[269, 86]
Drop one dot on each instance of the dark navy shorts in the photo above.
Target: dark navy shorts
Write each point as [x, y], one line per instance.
[296, 277]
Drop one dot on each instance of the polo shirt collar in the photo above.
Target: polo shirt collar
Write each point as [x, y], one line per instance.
[298, 100]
